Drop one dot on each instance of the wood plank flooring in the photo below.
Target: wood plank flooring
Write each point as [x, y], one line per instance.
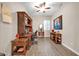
[45, 47]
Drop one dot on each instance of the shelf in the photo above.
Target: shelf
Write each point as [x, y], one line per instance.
[56, 37]
[28, 25]
[24, 23]
[24, 30]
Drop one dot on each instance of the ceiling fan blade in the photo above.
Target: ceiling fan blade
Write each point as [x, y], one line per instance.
[37, 10]
[37, 6]
[47, 8]
[44, 4]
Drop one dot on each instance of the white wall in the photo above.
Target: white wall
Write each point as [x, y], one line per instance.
[8, 31]
[70, 31]
[37, 20]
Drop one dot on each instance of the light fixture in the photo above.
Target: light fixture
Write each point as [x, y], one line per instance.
[42, 7]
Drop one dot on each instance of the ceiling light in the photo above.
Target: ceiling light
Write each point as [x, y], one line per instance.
[42, 7]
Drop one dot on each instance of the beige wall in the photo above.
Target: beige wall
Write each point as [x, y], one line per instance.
[37, 20]
[8, 31]
[70, 31]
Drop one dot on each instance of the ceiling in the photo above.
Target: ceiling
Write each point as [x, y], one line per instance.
[32, 10]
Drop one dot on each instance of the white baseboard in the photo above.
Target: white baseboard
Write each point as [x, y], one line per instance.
[70, 49]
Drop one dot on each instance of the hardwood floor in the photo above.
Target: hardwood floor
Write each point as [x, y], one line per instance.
[45, 47]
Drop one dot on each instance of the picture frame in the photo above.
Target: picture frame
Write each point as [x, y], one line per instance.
[6, 14]
[58, 23]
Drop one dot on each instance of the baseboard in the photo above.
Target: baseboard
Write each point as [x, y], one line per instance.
[70, 49]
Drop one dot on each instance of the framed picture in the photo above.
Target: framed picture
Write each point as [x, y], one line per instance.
[6, 13]
[58, 23]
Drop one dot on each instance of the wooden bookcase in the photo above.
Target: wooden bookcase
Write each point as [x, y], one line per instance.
[21, 45]
[24, 24]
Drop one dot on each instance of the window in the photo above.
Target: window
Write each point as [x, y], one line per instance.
[46, 24]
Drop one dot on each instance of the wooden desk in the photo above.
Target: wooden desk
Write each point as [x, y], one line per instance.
[19, 46]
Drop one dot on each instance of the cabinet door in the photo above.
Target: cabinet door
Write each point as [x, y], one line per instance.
[21, 24]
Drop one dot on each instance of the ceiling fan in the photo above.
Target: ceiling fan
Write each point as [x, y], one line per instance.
[42, 7]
